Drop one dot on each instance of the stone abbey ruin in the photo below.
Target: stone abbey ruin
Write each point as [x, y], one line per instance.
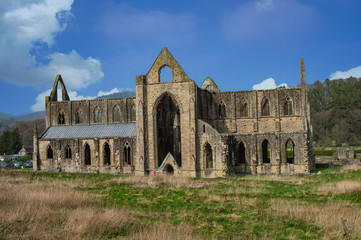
[178, 128]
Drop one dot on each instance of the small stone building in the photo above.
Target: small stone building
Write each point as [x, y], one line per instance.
[176, 127]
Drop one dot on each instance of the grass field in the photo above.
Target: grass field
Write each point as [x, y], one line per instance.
[329, 151]
[39, 205]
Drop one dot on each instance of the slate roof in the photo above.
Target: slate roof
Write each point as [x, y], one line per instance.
[91, 131]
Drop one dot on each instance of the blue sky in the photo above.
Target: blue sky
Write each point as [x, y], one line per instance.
[100, 46]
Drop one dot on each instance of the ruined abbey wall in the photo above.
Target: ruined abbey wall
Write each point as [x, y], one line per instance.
[176, 127]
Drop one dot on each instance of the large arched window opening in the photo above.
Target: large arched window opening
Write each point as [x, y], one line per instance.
[288, 108]
[97, 115]
[265, 108]
[165, 74]
[127, 154]
[241, 154]
[208, 156]
[61, 116]
[106, 154]
[222, 110]
[67, 151]
[116, 114]
[49, 152]
[266, 152]
[290, 151]
[244, 110]
[79, 115]
[132, 113]
[168, 130]
[87, 156]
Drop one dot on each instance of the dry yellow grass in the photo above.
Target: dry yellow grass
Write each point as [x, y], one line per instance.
[163, 231]
[340, 187]
[339, 219]
[351, 167]
[52, 210]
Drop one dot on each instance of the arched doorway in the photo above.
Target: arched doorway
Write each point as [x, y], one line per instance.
[208, 156]
[290, 151]
[266, 153]
[87, 156]
[169, 170]
[168, 130]
[241, 154]
[106, 154]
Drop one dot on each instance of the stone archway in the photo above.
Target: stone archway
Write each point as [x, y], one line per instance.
[168, 129]
[168, 170]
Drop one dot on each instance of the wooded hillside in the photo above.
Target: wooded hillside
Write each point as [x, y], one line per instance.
[336, 112]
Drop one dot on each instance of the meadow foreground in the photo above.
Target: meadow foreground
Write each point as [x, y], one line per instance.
[40, 205]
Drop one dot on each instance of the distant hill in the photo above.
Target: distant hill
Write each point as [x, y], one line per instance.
[22, 117]
[119, 95]
[7, 121]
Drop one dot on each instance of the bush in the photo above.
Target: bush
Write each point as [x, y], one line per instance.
[26, 158]
[322, 152]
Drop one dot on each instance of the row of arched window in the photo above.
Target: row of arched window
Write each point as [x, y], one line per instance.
[79, 118]
[266, 152]
[87, 153]
[265, 109]
[241, 153]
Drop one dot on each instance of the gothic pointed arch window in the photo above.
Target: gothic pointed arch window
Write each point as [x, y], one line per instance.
[266, 152]
[208, 156]
[106, 154]
[79, 115]
[97, 115]
[265, 108]
[49, 152]
[165, 74]
[127, 154]
[222, 110]
[116, 114]
[61, 116]
[241, 154]
[244, 109]
[288, 107]
[290, 151]
[67, 151]
[133, 113]
[87, 155]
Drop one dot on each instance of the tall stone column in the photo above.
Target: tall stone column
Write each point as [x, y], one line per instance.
[36, 162]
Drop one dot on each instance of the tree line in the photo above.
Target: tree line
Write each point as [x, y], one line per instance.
[21, 134]
[336, 111]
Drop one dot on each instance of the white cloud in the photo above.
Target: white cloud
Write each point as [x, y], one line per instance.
[269, 19]
[269, 83]
[73, 95]
[29, 25]
[127, 23]
[353, 72]
[76, 71]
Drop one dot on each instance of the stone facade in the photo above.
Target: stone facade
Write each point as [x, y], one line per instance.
[179, 128]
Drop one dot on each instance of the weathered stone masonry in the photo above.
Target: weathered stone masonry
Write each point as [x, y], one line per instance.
[178, 128]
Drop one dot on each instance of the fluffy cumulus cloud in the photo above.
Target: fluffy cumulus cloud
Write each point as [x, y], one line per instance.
[269, 19]
[73, 95]
[152, 25]
[29, 26]
[269, 83]
[353, 72]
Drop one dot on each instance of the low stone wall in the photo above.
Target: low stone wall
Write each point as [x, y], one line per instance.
[332, 163]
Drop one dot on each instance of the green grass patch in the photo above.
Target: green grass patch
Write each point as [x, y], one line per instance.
[222, 208]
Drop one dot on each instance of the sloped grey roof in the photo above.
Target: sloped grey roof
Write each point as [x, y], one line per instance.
[91, 131]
